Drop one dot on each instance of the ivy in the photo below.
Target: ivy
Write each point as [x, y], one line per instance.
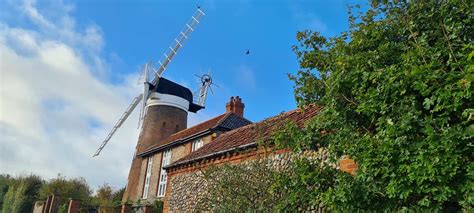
[397, 92]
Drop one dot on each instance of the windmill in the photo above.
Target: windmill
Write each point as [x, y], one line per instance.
[160, 91]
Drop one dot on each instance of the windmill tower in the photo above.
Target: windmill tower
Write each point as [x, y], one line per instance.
[166, 112]
[165, 106]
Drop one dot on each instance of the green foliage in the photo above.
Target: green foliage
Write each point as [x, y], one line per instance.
[105, 196]
[76, 188]
[18, 194]
[117, 196]
[63, 208]
[157, 206]
[73, 188]
[397, 91]
[4, 184]
[239, 187]
[22, 193]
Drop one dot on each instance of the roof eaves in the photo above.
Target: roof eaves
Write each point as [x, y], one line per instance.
[217, 126]
[244, 146]
[176, 142]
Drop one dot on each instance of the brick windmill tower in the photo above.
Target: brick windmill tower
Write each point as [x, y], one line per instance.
[165, 104]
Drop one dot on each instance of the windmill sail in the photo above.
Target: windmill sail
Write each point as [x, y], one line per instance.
[145, 95]
[168, 55]
[177, 44]
[119, 123]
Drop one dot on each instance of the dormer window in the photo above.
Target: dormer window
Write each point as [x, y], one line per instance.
[197, 144]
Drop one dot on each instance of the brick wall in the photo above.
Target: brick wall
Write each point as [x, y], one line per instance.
[159, 122]
[52, 204]
[139, 189]
[126, 208]
[74, 206]
[177, 152]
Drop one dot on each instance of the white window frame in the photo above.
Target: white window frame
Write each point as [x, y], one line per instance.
[165, 161]
[146, 186]
[197, 144]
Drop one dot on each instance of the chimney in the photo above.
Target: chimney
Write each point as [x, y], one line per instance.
[236, 106]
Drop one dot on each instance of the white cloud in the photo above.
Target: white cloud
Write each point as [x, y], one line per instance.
[30, 9]
[56, 101]
[306, 19]
[56, 105]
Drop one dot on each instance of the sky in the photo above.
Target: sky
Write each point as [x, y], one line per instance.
[68, 70]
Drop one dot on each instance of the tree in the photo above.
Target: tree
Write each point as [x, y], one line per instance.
[22, 193]
[76, 188]
[5, 181]
[117, 196]
[105, 196]
[397, 92]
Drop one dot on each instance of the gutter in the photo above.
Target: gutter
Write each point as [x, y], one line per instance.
[184, 140]
[177, 142]
[211, 155]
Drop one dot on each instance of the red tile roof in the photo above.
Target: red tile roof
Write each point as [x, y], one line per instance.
[248, 134]
[221, 120]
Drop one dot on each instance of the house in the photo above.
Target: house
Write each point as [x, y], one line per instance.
[148, 179]
[168, 153]
[236, 146]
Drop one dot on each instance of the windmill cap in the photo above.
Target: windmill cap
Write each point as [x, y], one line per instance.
[168, 87]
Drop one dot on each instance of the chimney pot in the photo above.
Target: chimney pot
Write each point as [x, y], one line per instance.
[235, 105]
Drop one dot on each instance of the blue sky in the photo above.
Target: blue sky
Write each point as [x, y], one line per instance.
[69, 69]
[138, 31]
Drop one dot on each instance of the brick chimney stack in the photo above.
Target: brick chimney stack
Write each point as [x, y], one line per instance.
[235, 105]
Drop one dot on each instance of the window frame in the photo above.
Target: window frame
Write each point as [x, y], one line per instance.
[197, 144]
[146, 184]
[165, 160]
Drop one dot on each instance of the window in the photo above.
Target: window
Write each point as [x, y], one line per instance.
[147, 177]
[197, 144]
[166, 160]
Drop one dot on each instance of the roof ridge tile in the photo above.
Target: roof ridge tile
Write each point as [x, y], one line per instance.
[249, 133]
[190, 132]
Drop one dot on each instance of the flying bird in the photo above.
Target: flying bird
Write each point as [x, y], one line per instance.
[248, 52]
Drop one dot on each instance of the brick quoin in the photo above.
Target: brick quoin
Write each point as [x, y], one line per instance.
[47, 206]
[126, 208]
[148, 209]
[74, 206]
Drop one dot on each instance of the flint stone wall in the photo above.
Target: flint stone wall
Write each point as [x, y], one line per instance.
[188, 187]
